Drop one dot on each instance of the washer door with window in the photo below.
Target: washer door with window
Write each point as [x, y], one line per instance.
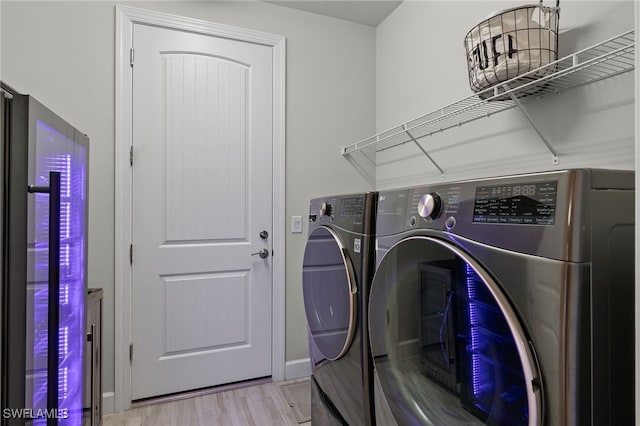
[448, 348]
[329, 290]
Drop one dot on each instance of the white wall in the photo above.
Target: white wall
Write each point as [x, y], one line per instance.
[421, 67]
[63, 54]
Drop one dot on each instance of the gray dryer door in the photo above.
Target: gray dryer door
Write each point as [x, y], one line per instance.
[329, 289]
[448, 347]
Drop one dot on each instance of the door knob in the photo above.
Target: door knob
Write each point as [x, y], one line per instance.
[264, 235]
[264, 253]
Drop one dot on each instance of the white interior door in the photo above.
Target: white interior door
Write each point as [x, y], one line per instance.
[202, 195]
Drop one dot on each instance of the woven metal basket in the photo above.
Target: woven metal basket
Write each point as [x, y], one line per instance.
[510, 43]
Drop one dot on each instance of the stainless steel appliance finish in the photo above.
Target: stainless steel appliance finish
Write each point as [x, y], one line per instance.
[506, 301]
[337, 271]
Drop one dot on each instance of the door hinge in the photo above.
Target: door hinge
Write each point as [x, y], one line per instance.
[131, 56]
[131, 155]
[131, 352]
[130, 254]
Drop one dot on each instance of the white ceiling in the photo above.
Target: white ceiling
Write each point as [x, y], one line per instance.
[367, 12]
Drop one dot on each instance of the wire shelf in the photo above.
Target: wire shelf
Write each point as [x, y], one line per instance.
[603, 60]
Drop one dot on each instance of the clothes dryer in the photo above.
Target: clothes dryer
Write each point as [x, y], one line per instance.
[506, 301]
[337, 270]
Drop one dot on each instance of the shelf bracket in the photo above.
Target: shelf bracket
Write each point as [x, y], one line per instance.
[554, 159]
[366, 166]
[404, 127]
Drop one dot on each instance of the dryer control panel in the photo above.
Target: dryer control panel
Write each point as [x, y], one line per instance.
[544, 214]
[526, 203]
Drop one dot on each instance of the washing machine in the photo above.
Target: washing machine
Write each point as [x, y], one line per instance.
[337, 268]
[506, 301]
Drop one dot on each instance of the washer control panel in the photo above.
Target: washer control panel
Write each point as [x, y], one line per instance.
[325, 209]
[345, 211]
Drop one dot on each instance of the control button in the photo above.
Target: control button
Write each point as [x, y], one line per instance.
[325, 209]
[450, 223]
[412, 221]
[429, 206]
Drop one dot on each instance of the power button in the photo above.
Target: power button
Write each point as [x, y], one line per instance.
[450, 223]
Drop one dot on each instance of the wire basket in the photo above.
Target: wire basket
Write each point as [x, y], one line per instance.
[510, 43]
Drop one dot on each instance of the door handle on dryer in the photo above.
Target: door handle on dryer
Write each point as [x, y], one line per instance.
[351, 273]
[264, 253]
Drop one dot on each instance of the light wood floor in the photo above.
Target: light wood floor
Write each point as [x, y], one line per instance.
[260, 405]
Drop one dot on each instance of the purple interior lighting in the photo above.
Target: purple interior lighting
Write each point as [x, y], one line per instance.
[497, 379]
[473, 321]
[57, 152]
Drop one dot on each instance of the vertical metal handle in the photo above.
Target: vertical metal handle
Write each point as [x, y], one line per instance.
[53, 318]
[53, 351]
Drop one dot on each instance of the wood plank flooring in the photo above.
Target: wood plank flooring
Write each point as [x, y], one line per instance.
[259, 405]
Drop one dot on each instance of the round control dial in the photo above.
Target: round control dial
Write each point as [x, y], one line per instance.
[325, 209]
[429, 206]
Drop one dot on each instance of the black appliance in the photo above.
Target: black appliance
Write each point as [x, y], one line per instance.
[44, 263]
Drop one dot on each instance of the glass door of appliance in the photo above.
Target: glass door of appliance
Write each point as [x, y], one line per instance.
[448, 347]
[56, 149]
[329, 290]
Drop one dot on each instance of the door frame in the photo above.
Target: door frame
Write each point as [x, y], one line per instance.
[126, 17]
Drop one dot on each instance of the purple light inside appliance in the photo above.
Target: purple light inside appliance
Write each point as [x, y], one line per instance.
[65, 256]
[475, 340]
[66, 184]
[57, 152]
[63, 382]
[64, 342]
[65, 217]
[64, 295]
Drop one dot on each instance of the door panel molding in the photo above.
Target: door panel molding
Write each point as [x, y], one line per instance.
[126, 17]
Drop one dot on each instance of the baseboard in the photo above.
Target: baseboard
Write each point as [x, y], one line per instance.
[108, 403]
[297, 369]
